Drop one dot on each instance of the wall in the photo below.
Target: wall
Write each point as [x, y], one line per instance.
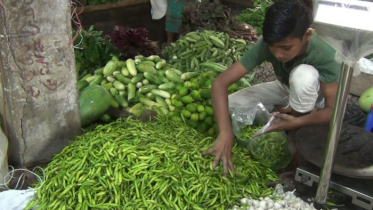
[137, 15]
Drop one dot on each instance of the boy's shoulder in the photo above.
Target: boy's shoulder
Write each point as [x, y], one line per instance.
[319, 51]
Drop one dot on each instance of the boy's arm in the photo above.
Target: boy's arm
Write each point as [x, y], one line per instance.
[289, 122]
[219, 93]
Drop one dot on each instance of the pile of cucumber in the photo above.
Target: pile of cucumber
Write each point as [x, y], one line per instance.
[151, 83]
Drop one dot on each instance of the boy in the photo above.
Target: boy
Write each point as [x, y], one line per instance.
[307, 78]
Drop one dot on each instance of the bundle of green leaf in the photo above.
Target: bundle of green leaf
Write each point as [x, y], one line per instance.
[92, 51]
[206, 15]
[255, 16]
[155, 165]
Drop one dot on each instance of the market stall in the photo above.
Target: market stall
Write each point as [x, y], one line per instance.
[146, 114]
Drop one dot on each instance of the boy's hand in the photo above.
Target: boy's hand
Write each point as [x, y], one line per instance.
[222, 151]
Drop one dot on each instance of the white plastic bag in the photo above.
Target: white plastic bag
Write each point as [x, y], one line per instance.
[3, 158]
[251, 114]
[366, 66]
[16, 199]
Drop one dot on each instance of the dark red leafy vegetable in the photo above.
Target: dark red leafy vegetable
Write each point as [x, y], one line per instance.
[132, 42]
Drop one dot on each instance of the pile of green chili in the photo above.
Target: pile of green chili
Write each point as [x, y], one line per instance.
[128, 164]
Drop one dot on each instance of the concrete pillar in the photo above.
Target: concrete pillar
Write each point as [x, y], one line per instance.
[40, 98]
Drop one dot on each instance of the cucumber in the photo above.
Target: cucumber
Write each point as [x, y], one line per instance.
[99, 71]
[161, 64]
[149, 63]
[152, 78]
[121, 64]
[139, 85]
[178, 72]
[116, 73]
[167, 86]
[161, 93]
[90, 79]
[137, 78]
[110, 67]
[160, 101]
[97, 80]
[110, 78]
[107, 86]
[145, 82]
[121, 101]
[172, 76]
[146, 89]
[188, 75]
[123, 79]
[153, 58]
[122, 92]
[82, 84]
[85, 77]
[113, 91]
[125, 72]
[146, 68]
[114, 104]
[94, 101]
[147, 102]
[131, 91]
[130, 63]
[118, 85]
[103, 82]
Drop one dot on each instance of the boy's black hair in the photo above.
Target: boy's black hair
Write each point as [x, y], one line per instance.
[285, 18]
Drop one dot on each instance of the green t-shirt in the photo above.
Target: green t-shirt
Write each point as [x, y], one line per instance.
[319, 55]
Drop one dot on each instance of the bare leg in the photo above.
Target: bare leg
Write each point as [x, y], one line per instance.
[170, 37]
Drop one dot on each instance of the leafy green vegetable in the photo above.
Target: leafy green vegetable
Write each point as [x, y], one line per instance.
[92, 51]
[255, 16]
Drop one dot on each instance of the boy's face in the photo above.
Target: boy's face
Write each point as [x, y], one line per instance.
[290, 48]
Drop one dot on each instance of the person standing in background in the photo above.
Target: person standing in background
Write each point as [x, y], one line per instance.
[174, 17]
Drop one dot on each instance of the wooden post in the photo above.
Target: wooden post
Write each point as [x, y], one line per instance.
[39, 79]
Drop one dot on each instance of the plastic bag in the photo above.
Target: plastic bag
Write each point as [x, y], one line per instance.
[251, 114]
[3, 158]
[365, 66]
[16, 199]
[271, 149]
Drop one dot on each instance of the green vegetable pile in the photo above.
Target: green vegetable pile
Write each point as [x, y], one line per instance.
[128, 164]
[189, 51]
[255, 16]
[151, 83]
[91, 51]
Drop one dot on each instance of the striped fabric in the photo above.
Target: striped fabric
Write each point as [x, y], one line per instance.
[174, 15]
